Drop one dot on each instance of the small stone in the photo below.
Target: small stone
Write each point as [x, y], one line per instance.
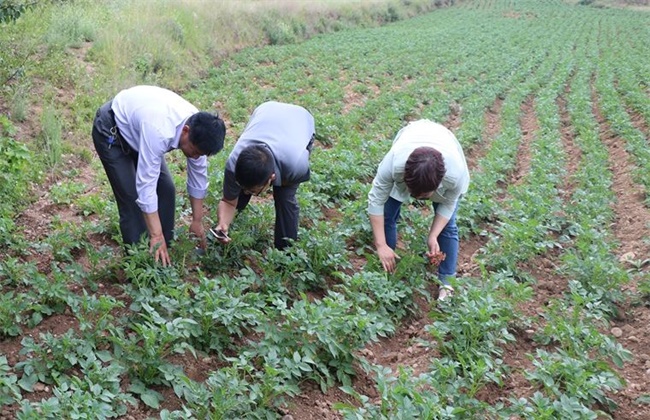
[39, 387]
[633, 338]
[616, 332]
[287, 417]
[530, 332]
[367, 353]
[627, 257]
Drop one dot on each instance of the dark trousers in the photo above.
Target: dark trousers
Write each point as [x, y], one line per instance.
[287, 213]
[120, 162]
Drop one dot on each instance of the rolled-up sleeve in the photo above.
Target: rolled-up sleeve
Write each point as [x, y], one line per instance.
[150, 160]
[197, 177]
[446, 209]
[381, 186]
[447, 206]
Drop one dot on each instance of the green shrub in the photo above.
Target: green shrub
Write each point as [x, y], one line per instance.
[14, 158]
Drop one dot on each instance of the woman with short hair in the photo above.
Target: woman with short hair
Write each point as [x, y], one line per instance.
[426, 162]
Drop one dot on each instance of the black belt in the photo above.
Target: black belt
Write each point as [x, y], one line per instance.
[115, 135]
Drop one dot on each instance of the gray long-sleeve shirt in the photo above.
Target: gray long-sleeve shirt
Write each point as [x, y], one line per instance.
[287, 130]
[389, 181]
[150, 120]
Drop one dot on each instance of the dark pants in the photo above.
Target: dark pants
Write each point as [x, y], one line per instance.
[120, 162]
[287, 213]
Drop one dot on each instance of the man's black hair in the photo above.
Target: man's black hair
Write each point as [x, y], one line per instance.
[207, 132]
[254, 166]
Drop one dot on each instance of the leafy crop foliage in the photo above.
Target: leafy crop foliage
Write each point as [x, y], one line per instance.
[242, 330]
[14, 159]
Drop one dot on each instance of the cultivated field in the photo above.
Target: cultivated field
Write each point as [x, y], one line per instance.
[550, 320]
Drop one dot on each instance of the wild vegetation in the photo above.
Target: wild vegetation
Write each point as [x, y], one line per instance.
[551, 101]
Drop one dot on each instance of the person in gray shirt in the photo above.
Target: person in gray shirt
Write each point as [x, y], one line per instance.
[132, 132]
[273, 150]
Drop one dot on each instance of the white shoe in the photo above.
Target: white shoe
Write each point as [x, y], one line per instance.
[445, 292]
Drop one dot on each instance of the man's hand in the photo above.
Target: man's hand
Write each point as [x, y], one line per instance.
[387, 257]
[157, 244]
[221, 233]
[196, 228]
[158, 247]
[225, 215]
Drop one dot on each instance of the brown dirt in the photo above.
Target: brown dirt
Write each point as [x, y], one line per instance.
[492, 129]
[529, 127]
[631, 231]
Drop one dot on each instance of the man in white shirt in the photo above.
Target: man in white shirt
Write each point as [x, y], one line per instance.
[426, 161]
[132, 132]
[273, 151]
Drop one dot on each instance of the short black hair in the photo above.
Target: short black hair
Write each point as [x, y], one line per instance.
[424, 171]
[207, 132]
[254, 167]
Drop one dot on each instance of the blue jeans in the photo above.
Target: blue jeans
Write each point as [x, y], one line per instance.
[448, 238]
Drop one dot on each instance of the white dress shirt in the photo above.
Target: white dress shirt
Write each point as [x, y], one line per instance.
[151, 120]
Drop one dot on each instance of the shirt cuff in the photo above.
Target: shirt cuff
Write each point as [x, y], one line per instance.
[199, 193]
[446, 210]
[375, 210]
[147, 208]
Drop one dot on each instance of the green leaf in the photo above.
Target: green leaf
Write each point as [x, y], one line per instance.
[27, 382]
[643, 399]
[104, 356]
[151, 398]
